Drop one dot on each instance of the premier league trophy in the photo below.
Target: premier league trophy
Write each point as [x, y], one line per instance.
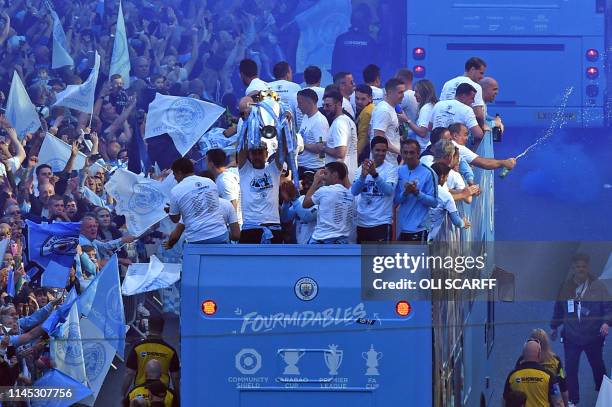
[272, 123]
[333, 359]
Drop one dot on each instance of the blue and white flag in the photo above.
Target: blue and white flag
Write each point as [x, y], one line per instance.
[61, 57]
[55, 275]
[93, 198]
[56, 153]
[184, 119]
[20, 111]
[55, 379]
[144, 277]
[214, 138]
[98, 355]
[141, 200]
[54, 241]
[67, 348]
[106, 309]
[81, 97]
[58, 316]
[120, 61]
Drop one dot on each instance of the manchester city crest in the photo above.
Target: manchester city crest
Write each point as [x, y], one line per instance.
[145, 198]
[69, 348]
[185, 113]
[60, 246]
[95, 359]
[306, 289]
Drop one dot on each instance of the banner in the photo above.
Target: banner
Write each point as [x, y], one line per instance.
[57, 380]
[93, 198]
[214, 138]
[54, 241]
[120, 61]
[59, 315]
[56, 153]
[604, 399]
[103, 298]
[98, 355]
[141, 200]
[61, 57]
[67, 349]
[81, 97]
[144, 277]
[55, 275]
[316, 43]
[184, 119]
[20, 111]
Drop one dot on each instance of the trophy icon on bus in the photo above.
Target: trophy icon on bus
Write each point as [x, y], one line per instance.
[291, 357]
[333, 359]
[372, 357]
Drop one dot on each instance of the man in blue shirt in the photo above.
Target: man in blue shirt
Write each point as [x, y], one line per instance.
[415, 193]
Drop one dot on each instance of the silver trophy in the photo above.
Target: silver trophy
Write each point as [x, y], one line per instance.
[333, 359]
[372, 357]
[291, 357]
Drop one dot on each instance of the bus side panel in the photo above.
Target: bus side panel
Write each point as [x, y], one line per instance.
[266, 346]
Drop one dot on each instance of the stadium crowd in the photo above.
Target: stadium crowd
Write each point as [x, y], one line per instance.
[381, 161]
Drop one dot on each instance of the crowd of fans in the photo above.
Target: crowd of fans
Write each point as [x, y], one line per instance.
[369, 150]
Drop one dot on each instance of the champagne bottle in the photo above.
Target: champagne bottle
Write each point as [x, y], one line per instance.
[504, 172]
[322, 153]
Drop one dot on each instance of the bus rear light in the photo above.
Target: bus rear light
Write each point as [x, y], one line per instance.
[592, 54]
[209, 307]
[592, 72]
[419, 71]
[418, 53]
[403, 308]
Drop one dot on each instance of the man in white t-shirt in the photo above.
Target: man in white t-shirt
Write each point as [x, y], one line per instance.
[195, 202]
[228, 182]
[344, 82]
[259, 183]
[458, 110]
[314, 130]
[474, 72]
[385, 121]
[409, 104]
[330, 191]
[375, 185]
[341, 141]
[459, 134]
[248, 75]
[286, 89]
[312, 78]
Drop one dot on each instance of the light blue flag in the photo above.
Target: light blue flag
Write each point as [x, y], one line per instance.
[120, 61]
[56, 379]
[61, 57]
[55, 241]
[154, 275]
[81, 97]
[66, 348]
[20, 111]
[55, 275]
[10, 283]
[98, 355]
[105, 309]
[59, 315]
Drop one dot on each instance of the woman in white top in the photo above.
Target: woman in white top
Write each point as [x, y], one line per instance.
[425, 95]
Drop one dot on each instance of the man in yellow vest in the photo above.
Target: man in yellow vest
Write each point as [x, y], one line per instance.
[152, 390]
[539, 385]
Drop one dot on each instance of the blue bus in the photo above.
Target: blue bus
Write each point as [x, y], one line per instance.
[536, 49]
[287, 325]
